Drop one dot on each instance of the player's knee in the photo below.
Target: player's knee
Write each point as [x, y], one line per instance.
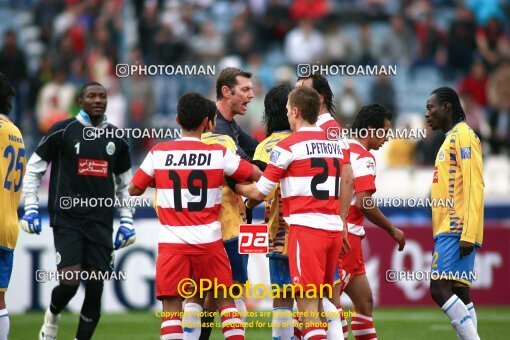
[369, 305]
[69, 277]
[68, 290]
[438, 293]
[2, 300]
[70, 283]
[463, 293]
[366, 306]
[70, 280]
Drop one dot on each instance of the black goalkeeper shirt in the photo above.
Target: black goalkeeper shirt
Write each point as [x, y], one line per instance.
[82, 169]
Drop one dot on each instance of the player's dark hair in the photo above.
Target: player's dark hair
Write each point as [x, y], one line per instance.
[85, 86]
[307, 101]
[191, 110]
[372, 116]
[448, 95]
[228, 78]
[6, 94]
[275, 109]
[211, 109]
[321, 85]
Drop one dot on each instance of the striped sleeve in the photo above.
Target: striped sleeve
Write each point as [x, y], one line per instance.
[236, 167]
[469, 157]
[278, 164]
[145, 174]
[364, 174]
[346, 149]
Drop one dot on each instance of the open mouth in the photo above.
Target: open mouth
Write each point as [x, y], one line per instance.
[244, 106]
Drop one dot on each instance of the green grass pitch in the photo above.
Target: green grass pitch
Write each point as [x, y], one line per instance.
[394, 323]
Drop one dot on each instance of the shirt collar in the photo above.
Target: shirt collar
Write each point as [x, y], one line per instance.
[325, 117]
[220, 116]
[354, 141]
[309, 128]
[189, 139]
[84, 118]
[3, 116]
[453, 127]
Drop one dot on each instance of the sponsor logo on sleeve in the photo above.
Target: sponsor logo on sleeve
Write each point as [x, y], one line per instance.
[465, 153]
[274, 156]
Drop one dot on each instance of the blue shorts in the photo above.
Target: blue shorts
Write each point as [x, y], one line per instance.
[279, 271]
[238, 262]
[446, 261]
[6, 258]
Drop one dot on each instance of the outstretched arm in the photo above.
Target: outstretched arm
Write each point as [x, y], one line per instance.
[375, 215]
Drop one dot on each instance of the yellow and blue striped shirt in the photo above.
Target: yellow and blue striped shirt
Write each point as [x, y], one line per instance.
[458, 179]
[12, 170]
[233, 210]
[273, 214]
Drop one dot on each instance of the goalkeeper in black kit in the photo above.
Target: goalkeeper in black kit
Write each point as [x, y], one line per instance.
[88, 163]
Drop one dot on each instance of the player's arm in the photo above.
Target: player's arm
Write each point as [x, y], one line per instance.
[279, 161]
[347, 180]
[238, 169]
[126, 234]
[47, 151]
[469, 157]
[346, 192]
[135, 191]
[374, 214]
[36, 168]
[364, 188]
[144, 177]
[250, 191]
[252, 203]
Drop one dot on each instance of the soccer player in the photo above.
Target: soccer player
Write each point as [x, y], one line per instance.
[232, 214]
[234, 91]
[277, 129]
[308, 166]
[370, 121]
[83, 167]
[325, 121]
[12, 169]
[188, 176]
[457, 228]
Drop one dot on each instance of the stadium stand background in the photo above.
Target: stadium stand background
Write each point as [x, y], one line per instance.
[49, 48]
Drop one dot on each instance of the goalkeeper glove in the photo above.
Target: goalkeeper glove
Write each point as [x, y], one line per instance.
[125, 234]
[31, 221]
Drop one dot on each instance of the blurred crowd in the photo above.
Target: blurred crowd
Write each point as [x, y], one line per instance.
[61, 44]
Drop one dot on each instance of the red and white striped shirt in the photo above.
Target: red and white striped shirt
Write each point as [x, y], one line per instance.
[364, 170]
[188, 176]
[334, 132]
[308, 167]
